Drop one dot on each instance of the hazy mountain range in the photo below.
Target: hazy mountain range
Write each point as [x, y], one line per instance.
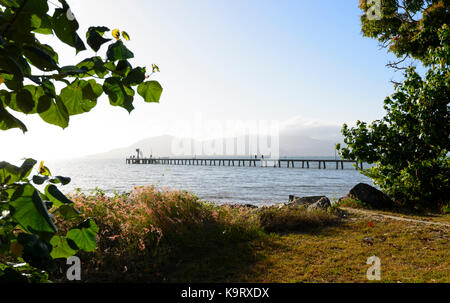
[305, 140]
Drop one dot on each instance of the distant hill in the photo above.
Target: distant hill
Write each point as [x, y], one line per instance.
[290, 145]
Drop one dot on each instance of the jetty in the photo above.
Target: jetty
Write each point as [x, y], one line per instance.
[244, 162]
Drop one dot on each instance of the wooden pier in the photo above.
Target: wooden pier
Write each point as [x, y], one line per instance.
[249, 162]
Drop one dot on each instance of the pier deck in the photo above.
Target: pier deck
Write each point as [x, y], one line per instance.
[249, 162]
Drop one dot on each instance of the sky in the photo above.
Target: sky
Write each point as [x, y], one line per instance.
[291, 61]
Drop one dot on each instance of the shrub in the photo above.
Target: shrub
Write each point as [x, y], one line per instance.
[149, 230]
[274, 219]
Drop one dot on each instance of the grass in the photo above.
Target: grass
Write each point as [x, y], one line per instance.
[157, 235]
[408, 253]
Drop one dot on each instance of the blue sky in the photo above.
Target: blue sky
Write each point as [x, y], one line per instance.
[234, 59]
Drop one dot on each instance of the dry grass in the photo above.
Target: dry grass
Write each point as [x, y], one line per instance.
[408, 253]
[287, 219]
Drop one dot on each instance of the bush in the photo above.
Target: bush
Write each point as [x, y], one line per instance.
[275, 219]
[149, 230]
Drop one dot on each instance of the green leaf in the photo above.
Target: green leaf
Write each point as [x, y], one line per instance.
[8, 121]
[55, 196]
[46, 26]
[66, 30]
[56, 114]
[118, 94]
[30, 212]
[49, 88]
[135, 76]
[39, 179]
[36, 252]
[9, 173]
[84, 235]
[151, 91]
[44, 104]
[122, 69]
[61, 249]
[10, 65]
[95, 38]
[80, 96]
[68, 212]
[60, 179]
[118, 51]
[40, 58]
[26, 167]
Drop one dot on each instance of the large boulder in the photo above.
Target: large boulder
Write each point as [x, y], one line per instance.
[322, 204]
[303, 201]
[370, 196]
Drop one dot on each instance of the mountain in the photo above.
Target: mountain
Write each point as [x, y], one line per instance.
[290, 144]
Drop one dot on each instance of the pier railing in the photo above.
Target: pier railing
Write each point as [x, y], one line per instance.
[245, 162]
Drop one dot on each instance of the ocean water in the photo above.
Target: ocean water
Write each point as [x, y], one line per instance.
[220, 184]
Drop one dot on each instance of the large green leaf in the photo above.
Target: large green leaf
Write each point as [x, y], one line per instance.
[118, 51]
[80, 96]
[84, 235]
[56, 113]
[36, 252]
[135, 76]
[66, 30]
[95, 38]
[46, 25]
[61, 249]
[151, 91]
[56, 196]
[26, 99]
[40, 58]
[119, 94]
[10, 173]
[30, 212]
[68, 212]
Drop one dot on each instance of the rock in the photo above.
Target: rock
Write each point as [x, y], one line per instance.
[323, 204]
[303, 201]
[370, 196]
[243, 206]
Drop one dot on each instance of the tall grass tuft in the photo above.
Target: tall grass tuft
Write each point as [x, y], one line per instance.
[142, 233]
[290, 219]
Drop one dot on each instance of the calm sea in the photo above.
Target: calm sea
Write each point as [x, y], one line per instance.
[221, 184]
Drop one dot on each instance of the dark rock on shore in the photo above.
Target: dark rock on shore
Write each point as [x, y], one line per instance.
[323, 203]
[243, 206]
[370, 196]
[303, 201]
[310, 203]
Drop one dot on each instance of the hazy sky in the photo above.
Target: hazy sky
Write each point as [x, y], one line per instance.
[281, 60]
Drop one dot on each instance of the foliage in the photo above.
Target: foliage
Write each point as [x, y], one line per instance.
[22, 54]
[406, 27]
[27, 229]
[151, 230]
[352, 203]
[410, 145]
[275, 219]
